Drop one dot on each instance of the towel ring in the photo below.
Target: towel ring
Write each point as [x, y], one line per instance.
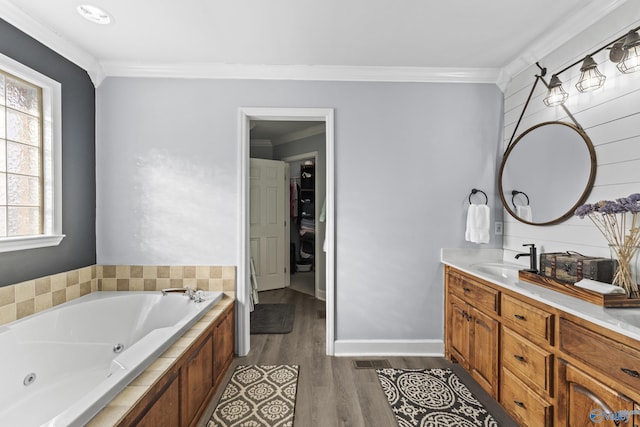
[514, 193]
[474, 191]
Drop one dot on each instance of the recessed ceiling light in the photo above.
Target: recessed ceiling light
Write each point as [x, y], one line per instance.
[94, 14]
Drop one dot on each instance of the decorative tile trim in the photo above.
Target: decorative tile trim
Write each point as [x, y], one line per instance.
[158, 277]
[32, 296]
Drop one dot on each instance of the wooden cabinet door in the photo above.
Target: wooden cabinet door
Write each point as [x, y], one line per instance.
[585, 402]
[458, 320]
[197, 381]
[165, 412]
[223, 345]
[484, 351]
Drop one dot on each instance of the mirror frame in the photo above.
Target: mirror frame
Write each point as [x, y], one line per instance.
[585, 193]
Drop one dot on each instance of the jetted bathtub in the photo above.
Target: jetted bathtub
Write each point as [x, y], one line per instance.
[60, 367]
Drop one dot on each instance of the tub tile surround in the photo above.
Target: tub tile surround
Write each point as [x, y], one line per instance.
[32, 296]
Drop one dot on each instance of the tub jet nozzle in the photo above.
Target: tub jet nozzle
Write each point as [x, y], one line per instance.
[29, 379]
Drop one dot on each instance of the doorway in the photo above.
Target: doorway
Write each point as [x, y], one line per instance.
[247, 115]
[307, 233]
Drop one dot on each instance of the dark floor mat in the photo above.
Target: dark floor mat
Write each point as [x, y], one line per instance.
[272, 319]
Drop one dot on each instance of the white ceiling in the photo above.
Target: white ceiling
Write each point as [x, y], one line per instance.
[371, 34]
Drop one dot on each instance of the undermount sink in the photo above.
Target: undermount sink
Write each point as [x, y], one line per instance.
[500, 270]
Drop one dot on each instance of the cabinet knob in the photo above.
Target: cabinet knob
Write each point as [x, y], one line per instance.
[519, 403]
[519, 317]
[630, 372]
[518, 358]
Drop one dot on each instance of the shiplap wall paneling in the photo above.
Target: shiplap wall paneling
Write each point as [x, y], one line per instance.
[610, 117]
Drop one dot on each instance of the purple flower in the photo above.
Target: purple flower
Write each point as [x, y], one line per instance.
[584, 210]
[629, 205]
[609, 207]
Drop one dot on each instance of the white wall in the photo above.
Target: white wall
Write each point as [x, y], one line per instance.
[407, 156]
[611, 118]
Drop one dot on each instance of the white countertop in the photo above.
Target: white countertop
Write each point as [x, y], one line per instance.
[625, 321]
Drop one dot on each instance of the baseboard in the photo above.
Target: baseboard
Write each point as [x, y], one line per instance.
[321, 295]
[356, 348]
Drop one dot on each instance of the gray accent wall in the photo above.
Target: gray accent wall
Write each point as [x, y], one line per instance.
[78, 164]
[406, 158]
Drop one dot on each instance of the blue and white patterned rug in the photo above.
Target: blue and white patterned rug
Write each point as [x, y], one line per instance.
[258, 396]
[432, 397]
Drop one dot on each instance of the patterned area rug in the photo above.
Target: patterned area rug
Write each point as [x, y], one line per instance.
[258, 396]
[433, 398]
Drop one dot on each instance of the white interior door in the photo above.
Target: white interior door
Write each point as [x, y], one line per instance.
[268, 220]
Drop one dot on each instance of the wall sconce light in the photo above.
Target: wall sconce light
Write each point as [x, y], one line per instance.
[590, 77]
[557, 95]
[631, 47]
[625, 51]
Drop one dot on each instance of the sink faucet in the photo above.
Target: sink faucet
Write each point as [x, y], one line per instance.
[533, 265]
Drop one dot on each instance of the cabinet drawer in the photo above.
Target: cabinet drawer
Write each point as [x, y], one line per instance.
[473, 292]
[527, 361]
[617, 361]
[530, 321]
[523, 404]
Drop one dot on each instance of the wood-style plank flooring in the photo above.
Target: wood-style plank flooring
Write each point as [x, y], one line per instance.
[331, 392]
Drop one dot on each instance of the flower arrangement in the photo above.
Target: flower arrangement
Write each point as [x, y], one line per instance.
[619, 222]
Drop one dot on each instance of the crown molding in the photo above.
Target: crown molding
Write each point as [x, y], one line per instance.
[551, 40]
[570, 26]
[302, 72]
[25, 23]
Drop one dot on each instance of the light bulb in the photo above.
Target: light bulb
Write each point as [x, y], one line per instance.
[556, 95]
[631, 61]
[590, 77]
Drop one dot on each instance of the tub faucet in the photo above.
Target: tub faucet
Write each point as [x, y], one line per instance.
[175, 291]
[533, 265]
[195, 296]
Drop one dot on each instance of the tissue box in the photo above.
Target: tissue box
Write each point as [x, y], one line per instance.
[572, 267]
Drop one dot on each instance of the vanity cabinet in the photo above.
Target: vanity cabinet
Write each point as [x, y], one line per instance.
[458, 331]
[545, 366]
[527, 361]
[522, 403]
[585, 401]
[473, 332]
[599, 373]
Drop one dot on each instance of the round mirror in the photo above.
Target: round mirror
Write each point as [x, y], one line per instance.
[547, 173]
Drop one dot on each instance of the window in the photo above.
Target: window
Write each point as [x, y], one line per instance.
[30, 158]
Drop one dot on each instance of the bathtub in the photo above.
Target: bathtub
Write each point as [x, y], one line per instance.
[61, 366]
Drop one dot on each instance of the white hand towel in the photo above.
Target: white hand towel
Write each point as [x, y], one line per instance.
[478, 219]
[600, 287]
[524, 212]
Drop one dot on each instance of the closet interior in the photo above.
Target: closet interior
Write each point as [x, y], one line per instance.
[303, 221]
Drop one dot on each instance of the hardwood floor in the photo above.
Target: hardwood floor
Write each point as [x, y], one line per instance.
[331, 391]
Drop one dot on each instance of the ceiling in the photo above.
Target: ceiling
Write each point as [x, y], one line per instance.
[356, 34]
[277, 132]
